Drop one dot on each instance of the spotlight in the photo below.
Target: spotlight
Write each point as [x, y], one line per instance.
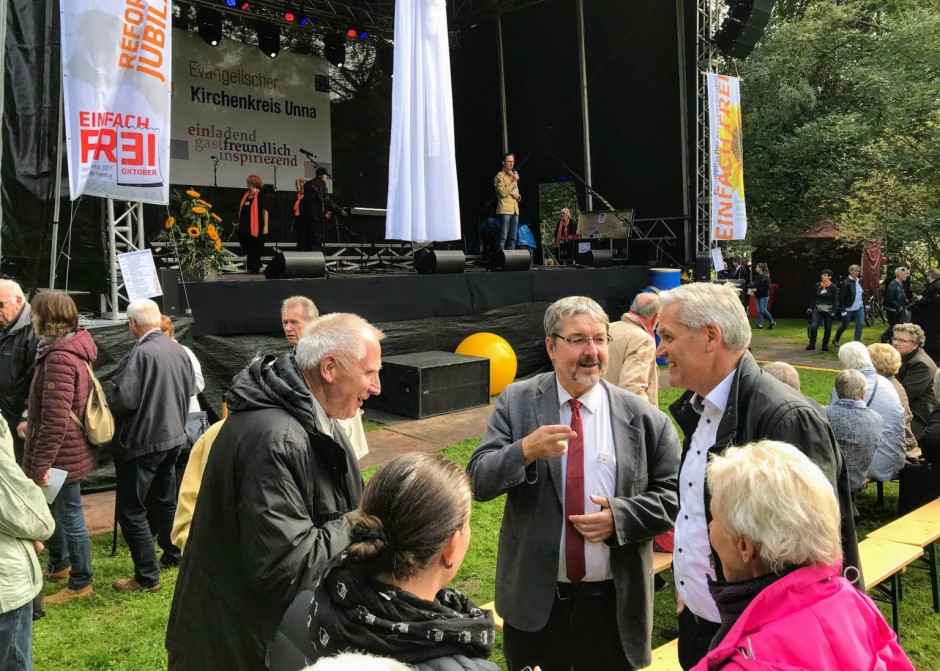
[210, 25]
[245, 6]
[269, 39]
[351, 33]
[231, 3]
[363, 35]
[303, 20]
[334, 49]
[289, 17]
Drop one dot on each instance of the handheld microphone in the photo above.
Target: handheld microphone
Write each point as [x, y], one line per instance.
[213, 157]
[308, 153]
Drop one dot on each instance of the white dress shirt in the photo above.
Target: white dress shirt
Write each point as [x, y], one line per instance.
[600, 471]
[692, 563]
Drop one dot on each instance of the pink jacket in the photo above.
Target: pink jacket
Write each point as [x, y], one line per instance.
[810, 619]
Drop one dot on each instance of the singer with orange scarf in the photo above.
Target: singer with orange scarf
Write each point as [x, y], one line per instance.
[253, 223]
[822, 309]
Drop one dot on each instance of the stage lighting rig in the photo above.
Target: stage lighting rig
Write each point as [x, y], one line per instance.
[210, 25]
[269, 38]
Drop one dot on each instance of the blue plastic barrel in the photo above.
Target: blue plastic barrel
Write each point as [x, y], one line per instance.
[662, 279]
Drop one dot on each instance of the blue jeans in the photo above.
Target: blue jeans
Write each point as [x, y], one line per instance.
[762, 310]
[824, 318]
[69, 544]
[858, 316]
[16, 639]
[508, 228]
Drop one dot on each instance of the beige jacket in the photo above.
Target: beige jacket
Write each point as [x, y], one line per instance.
[504, 184]
[632, 355]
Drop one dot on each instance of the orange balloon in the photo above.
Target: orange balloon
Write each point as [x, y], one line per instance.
[501, 355]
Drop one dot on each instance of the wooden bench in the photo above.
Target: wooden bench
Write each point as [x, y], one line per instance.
[662, 561]
[883, 561]
[666, 657]
[921, 528]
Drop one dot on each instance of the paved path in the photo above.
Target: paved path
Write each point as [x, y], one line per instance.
[435, 433]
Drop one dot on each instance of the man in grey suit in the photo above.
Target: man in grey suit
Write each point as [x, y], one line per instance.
[589, 472]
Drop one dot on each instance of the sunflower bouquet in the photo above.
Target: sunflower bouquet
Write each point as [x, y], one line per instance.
[193, 238]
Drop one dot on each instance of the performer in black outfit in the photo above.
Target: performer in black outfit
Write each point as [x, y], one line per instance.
[253, 223]
[316, 209]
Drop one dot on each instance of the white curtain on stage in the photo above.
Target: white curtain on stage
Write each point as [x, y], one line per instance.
[422, 170]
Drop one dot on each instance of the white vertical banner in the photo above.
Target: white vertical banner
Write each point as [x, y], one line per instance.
[729, 217]
[116, 83]
[422, 166]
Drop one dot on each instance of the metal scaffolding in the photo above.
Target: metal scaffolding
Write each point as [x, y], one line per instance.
[125, 234]
[706, 53]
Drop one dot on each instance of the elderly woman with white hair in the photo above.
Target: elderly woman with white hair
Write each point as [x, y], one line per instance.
[783, 601]
[881, 397]
[857, 427]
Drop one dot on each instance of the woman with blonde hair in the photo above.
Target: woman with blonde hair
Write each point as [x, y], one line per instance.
[783, 600]
[887, 362]
[387, 593]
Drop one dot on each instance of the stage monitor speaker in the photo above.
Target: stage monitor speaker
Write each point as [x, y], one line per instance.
[424, 384]
[510, 259]
[431, 261]
[596, 258]
[703, 267]
[170, 283]
[294, 265]
[745, 25]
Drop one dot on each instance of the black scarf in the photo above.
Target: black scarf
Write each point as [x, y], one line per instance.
[350, 611]
[732, 598]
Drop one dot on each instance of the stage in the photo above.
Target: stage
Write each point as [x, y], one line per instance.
[235, 320]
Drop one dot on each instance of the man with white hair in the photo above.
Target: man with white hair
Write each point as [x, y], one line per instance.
[704, 336]
[632, 365]
[18, 344]
[150, 403]
[276, 496]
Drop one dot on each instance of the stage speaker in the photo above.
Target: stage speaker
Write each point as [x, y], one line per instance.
[430, 261]
[294, 265]
[424, 384]
[703, 267]
[170, 283]
[743, 27]
[510, 259]
[596, 258]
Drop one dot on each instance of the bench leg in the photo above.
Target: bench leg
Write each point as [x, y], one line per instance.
[934, 578]
[881, 493]
[895, 597]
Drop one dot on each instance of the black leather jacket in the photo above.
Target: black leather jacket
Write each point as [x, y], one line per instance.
[761, 407]
[17, 363]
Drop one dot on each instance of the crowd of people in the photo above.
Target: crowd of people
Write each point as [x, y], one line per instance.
[286, 557]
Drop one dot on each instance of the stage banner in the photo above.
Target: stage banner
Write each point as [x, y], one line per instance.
[116, 83]
[729, 218]
[237, 112]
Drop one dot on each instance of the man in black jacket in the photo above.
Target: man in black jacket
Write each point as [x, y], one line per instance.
[704, 339]
[18, 344]
[150, 403]
[276, 496]
[316, 210]
[926, 314]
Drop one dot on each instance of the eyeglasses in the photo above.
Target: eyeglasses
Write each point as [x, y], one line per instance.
[581, 342]
[897, 339]
[5, 301]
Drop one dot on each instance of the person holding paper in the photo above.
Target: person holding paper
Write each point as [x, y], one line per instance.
[54, 440]
[24, 520]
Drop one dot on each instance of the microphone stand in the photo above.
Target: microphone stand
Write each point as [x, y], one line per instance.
[215, 177]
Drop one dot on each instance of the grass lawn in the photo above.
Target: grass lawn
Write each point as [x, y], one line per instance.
[112, 631]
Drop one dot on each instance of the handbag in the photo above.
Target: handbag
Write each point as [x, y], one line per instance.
[917, 485]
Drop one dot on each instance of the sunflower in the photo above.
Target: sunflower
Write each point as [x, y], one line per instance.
[218, 245]
[211, 232]
[199, 210]
[193, 231]
[206, 205]
[217, 217]
[192, 193]
[170, 222]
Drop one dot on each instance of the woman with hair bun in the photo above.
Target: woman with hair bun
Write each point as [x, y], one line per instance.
[386, 594]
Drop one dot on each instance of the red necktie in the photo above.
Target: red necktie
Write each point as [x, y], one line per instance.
[574, 497]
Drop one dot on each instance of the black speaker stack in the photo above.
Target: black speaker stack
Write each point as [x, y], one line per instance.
[743, 26]
[294, 265]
